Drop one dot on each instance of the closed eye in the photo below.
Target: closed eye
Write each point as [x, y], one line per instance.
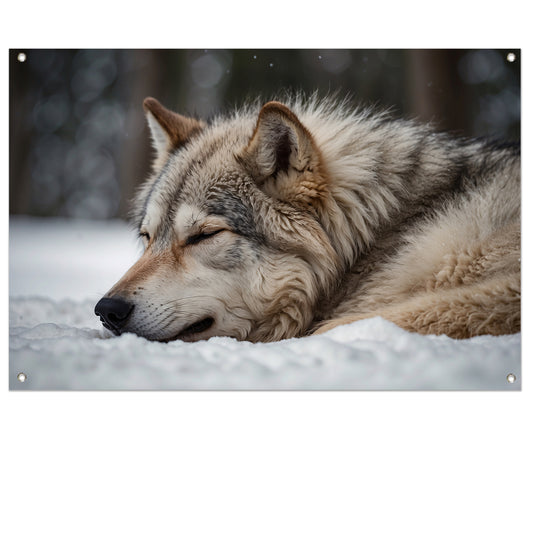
[195, 239]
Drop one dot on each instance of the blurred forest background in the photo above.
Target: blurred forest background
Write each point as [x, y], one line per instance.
[79, 145]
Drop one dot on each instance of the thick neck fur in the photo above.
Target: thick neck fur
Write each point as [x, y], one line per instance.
[379, 172]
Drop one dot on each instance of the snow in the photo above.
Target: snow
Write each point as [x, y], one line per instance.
[60, 268]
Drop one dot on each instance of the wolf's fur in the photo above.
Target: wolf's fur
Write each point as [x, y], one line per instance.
[289, 219]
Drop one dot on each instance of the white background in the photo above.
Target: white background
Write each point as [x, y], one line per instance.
[254, 462]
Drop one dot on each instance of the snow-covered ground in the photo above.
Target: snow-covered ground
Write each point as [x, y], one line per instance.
[58, 269]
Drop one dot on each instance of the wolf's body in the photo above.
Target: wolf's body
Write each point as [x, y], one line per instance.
[290, 219]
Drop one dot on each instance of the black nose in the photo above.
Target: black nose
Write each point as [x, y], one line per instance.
[113, 312]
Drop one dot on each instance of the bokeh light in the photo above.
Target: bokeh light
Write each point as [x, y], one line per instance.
[79, 146]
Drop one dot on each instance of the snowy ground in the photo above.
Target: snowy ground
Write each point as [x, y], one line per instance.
[58, 269]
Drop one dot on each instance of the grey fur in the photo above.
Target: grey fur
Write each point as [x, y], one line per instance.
[327, 215]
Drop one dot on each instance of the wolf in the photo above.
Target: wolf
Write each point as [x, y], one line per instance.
[291, 218]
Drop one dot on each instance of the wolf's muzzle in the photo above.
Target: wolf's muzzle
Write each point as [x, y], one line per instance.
[113, 313]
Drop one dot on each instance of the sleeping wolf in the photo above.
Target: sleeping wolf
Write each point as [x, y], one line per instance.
[292, 218]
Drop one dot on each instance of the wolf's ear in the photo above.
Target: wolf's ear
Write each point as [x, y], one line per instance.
[283, 158]
[279, 143]
[169, 130]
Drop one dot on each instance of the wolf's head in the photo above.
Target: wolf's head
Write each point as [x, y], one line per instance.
[230, 222]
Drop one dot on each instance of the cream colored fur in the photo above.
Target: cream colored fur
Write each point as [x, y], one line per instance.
[324, 215]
